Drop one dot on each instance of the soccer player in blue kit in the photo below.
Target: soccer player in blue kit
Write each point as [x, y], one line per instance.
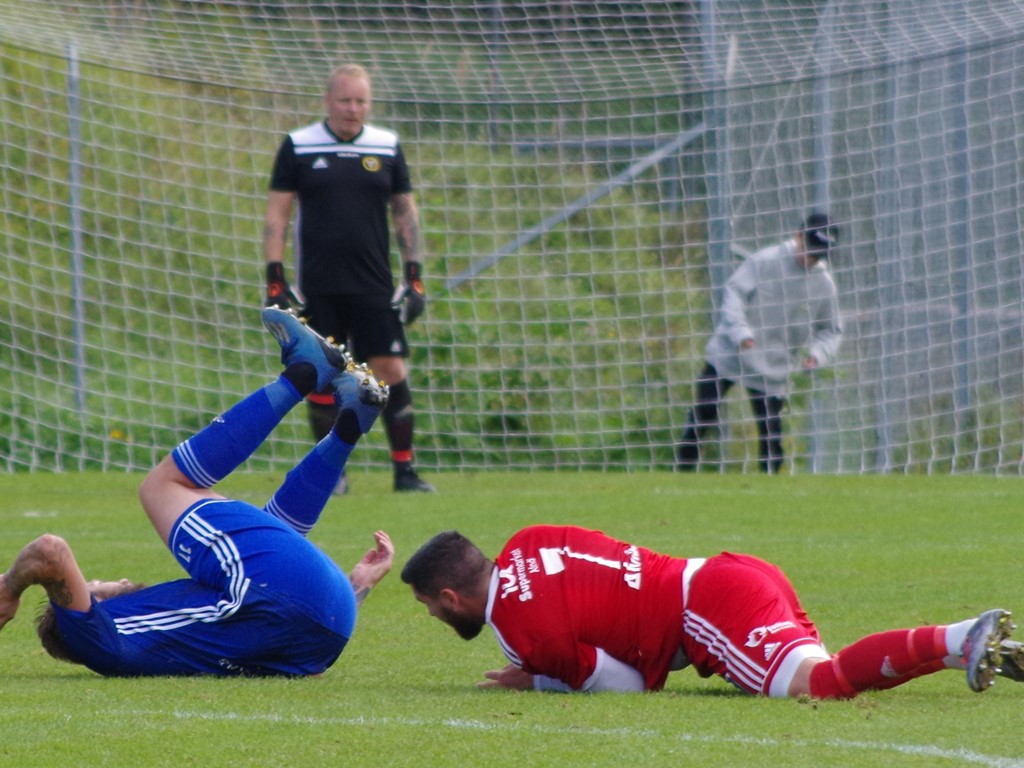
[260, 599]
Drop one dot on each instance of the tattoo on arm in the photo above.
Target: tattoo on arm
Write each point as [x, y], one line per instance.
[408, 240]
[15, 583]
[58, 592]
[48, 562]
[272, 231]
[407, 227]
[361, 594]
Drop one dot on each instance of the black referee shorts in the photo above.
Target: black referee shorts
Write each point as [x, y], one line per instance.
[367, 325]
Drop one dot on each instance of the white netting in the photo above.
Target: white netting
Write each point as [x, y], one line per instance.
[587, 174]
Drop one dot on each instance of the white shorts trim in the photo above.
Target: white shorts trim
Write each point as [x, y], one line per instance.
[779, 688]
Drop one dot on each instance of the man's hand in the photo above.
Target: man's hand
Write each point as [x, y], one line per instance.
[510, 676]
[410, 300]
[279, 293]
[373, 567]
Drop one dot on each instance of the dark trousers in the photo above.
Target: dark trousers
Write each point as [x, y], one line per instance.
[711, 389]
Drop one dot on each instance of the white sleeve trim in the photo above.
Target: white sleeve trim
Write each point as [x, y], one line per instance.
[545, 683]
[610, 674]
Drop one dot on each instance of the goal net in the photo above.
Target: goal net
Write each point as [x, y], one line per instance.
[588, 174]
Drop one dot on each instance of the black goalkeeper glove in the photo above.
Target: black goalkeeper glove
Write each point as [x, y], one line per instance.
[409, 300]
[279, 293]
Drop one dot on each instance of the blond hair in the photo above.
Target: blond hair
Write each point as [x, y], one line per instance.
[347, 70]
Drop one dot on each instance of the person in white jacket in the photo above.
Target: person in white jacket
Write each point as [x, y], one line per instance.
[779, 309]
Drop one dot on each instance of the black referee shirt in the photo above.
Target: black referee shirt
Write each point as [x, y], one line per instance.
[344, 188]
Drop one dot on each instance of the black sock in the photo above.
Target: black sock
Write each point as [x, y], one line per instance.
[399, 417]
[347, 427]
[302, 376]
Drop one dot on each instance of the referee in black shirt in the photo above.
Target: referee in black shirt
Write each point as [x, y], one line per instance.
[345, 175]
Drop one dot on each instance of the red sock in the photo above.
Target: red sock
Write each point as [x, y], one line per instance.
[880, 661]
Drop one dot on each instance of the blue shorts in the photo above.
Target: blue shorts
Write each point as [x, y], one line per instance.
[261, 600]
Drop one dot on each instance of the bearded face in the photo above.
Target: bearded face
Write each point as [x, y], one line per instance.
[466, 625]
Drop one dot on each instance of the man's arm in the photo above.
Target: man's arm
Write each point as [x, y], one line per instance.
[373, 567]
[275, 230]
[49, 562]
[733, 311]
[827, 332]
[410, 299]
[610, 674]
[275, 225]
[407, 226]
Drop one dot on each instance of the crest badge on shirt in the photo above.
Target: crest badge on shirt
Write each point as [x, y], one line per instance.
[371, 163]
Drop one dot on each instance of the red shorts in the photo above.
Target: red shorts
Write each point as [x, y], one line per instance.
[742, 620]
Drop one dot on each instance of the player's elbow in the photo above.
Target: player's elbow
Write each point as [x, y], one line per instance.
[46, 556]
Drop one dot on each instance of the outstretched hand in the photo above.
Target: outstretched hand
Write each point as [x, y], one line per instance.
[509, 676]
[373, 566]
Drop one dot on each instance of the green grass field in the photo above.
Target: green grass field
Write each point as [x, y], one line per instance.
[866, 554]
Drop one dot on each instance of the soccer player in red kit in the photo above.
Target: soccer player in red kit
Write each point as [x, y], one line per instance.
[576, 610]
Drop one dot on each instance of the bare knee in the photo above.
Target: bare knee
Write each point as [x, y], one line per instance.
[389, 368]
[160, 478]
[166, 492]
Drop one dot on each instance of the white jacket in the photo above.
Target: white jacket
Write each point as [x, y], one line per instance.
[790, 312]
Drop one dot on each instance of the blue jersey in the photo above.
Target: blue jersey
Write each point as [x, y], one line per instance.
[261, 600]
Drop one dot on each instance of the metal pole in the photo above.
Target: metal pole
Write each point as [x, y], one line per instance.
[823, 149]
[962, 279]
[75, 212]
[716, 159]
[527, 236]
[892, 310]
[495, 40]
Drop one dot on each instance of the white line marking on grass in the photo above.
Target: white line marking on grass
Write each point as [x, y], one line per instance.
[964, 756]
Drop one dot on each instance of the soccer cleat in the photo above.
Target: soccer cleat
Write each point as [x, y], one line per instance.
[1011, 664]
[301, 344]
[356, 390]
[981, 648]
[406, 479]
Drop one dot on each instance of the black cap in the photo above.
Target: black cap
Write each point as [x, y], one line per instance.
[820, 234]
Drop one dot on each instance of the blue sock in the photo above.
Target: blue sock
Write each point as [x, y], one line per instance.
[214, 452]
[306, 489]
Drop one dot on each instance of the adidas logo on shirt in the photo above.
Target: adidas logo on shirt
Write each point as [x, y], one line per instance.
[320, 163]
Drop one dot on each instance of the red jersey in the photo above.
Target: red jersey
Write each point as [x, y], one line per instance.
[558, 593]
